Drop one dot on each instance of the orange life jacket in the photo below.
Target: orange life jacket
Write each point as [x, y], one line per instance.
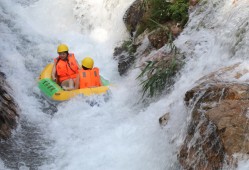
[66, 69]
[89, 78]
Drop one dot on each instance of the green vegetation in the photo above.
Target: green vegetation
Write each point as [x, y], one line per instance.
[160, 15]
[161, 11]
[159, 76]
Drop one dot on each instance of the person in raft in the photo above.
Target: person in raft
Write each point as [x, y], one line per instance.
[88, 76]
[65, 68]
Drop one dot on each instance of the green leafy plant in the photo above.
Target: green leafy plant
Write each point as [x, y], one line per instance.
[179, 11]
[161, 11]
[159, 76]
[156, 10]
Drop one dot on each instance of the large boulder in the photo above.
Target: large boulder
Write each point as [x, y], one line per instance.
[133, 15]
[219, 121]
[8, 109]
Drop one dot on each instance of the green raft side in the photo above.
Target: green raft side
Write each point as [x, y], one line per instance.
[48, 87]
[104, 81]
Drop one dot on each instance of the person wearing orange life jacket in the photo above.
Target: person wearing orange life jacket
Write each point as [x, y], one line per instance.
[88, 76]
[65, 68]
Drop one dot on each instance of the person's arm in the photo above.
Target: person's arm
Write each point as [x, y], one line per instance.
[54, 73]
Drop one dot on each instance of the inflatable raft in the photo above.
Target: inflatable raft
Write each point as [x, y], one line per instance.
[54, 92]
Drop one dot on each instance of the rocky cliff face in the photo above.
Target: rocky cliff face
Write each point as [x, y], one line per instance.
[219, 122]
[135, 19]
[8, 109]
[218, 104]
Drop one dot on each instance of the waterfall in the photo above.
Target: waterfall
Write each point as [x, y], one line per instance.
[77, 136]
[122, 133]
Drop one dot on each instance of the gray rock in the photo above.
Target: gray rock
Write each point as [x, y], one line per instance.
[8, 109]
[219, 121]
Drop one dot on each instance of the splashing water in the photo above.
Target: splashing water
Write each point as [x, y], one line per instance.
[119, 134]
[111, 136]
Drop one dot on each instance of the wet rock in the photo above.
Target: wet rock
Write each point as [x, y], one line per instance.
[161, 36]
[124, 63]
[138, 40]
[134, 15]
[125, 56]
[158, 38]
[176, 29]
[146, 40]
[193, 2]
[219, 125]
[163, 120]
[8, 109]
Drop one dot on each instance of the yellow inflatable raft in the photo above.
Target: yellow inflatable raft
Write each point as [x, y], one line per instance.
[54, 92]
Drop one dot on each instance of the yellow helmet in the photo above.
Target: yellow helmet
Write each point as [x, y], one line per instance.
[87, 62]
[62, 48]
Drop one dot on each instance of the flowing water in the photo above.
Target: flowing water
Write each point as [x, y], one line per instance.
[119, 134]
